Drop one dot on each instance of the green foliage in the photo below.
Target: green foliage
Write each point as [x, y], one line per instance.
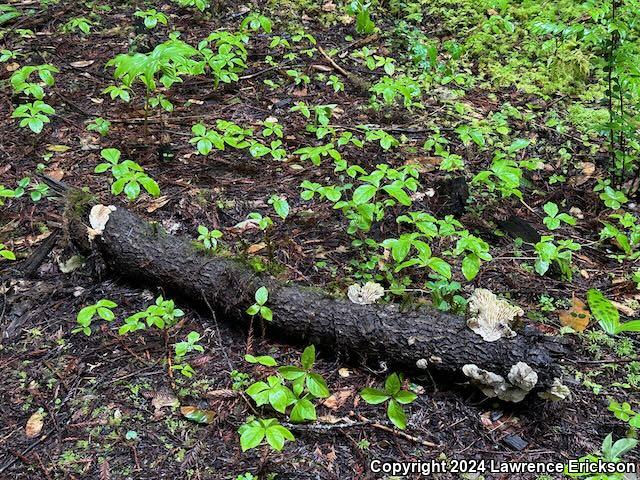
[162, 102]
[79, 23]
[254, 431]
[299, 78]
[280, 205]
[607, 314]
[402, 246]
[33, 115]
[266, 360]
[396, 397]
[263, 223]
[37, 191]
[612, 198]
[335, 83]
[305, 386]
[403, 87]
[239, 380]
[226, 134]
[554, 218]
[445, 296]
[128, 175]
[361, 10]
[201, 5]
[189, 345]
[8, 13]
[626, 234]
[6, 193]
[162, 314]
[184, 348]
[246, 476]
[549, 252]
[151, 17]
[209, 238]
[6, 253]
[261, 297]
[255, 21]
[272, 127]
[609, 452]
[104, 309]
[118, 91]
[99, 125]
[166, 63]
[20, 80]
[503, 176]
[6, 55]
[475, 250]
[624, 412]
[311, 189]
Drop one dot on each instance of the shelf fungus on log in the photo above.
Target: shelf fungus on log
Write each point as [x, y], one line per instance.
[410, 339]
[492, 321]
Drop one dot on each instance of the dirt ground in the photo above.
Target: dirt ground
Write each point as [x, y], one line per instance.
[101, 396]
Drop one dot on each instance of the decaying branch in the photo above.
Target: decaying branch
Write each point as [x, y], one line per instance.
[416, 339]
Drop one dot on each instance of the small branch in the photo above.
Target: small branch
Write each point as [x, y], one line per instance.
[333, 63]
[399, 433]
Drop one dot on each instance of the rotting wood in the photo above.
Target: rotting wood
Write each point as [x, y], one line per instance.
[409, 339]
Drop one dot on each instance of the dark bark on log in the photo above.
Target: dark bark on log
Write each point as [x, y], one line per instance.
[136, 249]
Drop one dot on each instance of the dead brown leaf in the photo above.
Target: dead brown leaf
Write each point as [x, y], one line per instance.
[577, 317]
[157, 203]
[338, 399]
[34, 425]
[82, 63]
[256, 247]
[162, 399]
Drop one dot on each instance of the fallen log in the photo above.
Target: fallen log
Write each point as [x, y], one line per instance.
[414, 339]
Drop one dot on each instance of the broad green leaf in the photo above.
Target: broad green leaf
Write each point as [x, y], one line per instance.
[632, 326]
[106, 314]
[150, 186]
[396, 414]
[604, 311]
[317, 386]
[291, 373]
[374, 396]
[392, 384]
[85, 315]
[405, 397]
[111, 154]
[266, 313]
[470, 266]
[251, 437]
[308, 357]
[364, 193]
[262, 295]
[303, 410]
[438, 265]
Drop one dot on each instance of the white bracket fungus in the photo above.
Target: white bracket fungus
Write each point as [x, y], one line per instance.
[492, 316]
[98, 218]
[521, 378]
[365, 295]
[557, 392]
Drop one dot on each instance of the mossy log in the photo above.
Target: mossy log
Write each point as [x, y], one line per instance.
[410, 339]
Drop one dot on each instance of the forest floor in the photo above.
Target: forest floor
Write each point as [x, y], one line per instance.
[109, 404]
